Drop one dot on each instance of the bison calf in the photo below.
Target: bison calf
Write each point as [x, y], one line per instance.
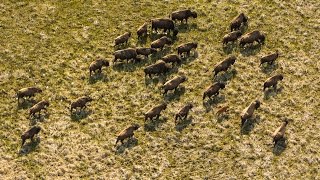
[173, 83]
[231, 37]
[224, 65]
[183, 15]
[159, 67]
[28, 92]
[97, 65]
[171, 58]
[122, 38]
[38, 107]
[30, 134]
[254, 36]
[162, 23]
[155, 111]
[213, 90]
[80, 102]
[142, 30]
[123, 54]
[272, 81]
[183, 112]
[145, 51]
[127, 133]
[269, 58]
[186, 48]
[238, 21]
[248, 112]
[279, 132]
[159, 43]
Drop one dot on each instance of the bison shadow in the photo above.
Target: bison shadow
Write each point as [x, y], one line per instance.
[279, 147]
[189, 59]
[222, 117]
[182, 124]
[228, 48]
[38, 118]
[130, 66]
[249, 125]
[226, 76]
[30, 146]
[251, 49]
[244, 28]
[184, 28]
[210, 102]
[151, 125]
[155, 79]
[270, 92]
[27, 103]
[154, 35]
[98, 77]
[78, 115]
[121, 46]
[142, 40]
[174, 94]
[131, 142]
[268, 69]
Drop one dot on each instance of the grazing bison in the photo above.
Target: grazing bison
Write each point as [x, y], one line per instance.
[38, 107]
[231, 37]
[186, 48]
[183, 15]
[127, 54]
[159, 67]
[122, 38]
[213, 90]
[272, 81]
[183, 112]
[251, 37]
[145, 51]
[237, 22]
[155, 111]
[269, 58]
[127, 133]
[80, 102]
[162, 23]
[173, 83]
[224, 65]
[279, 132]
[28, 92]
[159, 43]
[248, 112]
[30, 134]
[97, 65]
[142, 30]
[171, 58]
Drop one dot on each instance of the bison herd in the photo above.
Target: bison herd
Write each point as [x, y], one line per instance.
[162, 66]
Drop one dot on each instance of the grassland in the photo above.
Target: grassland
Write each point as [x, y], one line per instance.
[50, 44]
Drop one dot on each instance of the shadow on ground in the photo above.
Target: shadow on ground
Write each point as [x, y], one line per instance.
[279, 147]
[209, 103]
[30, 146]
[79, 114]
[132, 142]
[152, 125]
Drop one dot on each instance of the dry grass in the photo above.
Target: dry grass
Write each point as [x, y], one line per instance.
[51, 45]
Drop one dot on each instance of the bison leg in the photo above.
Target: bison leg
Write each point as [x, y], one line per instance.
[157, 117]
[165, 91]
[23, 141]
[121, 141]
[242, 121]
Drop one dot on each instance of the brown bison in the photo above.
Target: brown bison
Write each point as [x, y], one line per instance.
[145, 51]
[171, 58]
[173, 83]
[222, 110]
[38, 107]
[142, 30]
[127, 133]
[224, 65]
[28, 92]
[162, 23]
[155, 111]
[269, 58]
[272, 81]
[279, 132]
[213, 90]
[248, 111]
[97, 65]
[159, 67]
[254, 36]
[159, 43]
[183, 112]
[183, 15]
[129, 53]
[231, 37]
[237, 22]
[80, 102]
[186, 48]
[30, 134]
[122, 38]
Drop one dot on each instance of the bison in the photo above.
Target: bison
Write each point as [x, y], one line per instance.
[159, 43]
[248, 112]
[224, 65]
[237, 21]
[38, 107]
[279, 132]
[155, 111]
[186, 48]
[183, 112]
[213, 90]
[159, 67]
[80, 102]
[173, 83]
[162, 23]
[171, 58]
[145, 51]
[272, 81]
[122, 38]
[142, 30]
[183, 15]
[129, 53]
[269, 58]
[28, 92]
[254, 36]
[97, 65]
[30, 134]
[127, 133]
[231, 37]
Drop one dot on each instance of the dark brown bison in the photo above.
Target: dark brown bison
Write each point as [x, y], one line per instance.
[145, 51]
[248, 111]
[213, 90]
[224, 65]
[81, 102]
[122, 38]
[159, 67]
[183, 15]
[28, 92]
[183, 113]
[254, 36]
[155, 111]
[231, 37]
[129, 53]
[30, 134]
[171, 58]
[38, 107]
[173, 83]
[272, 81]
[269, 58]
[97, 65]
[162, 23]
[142, 30]
[159, 43]
[127, 133]
[237, 22]
[186, 48]
[279, 132]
